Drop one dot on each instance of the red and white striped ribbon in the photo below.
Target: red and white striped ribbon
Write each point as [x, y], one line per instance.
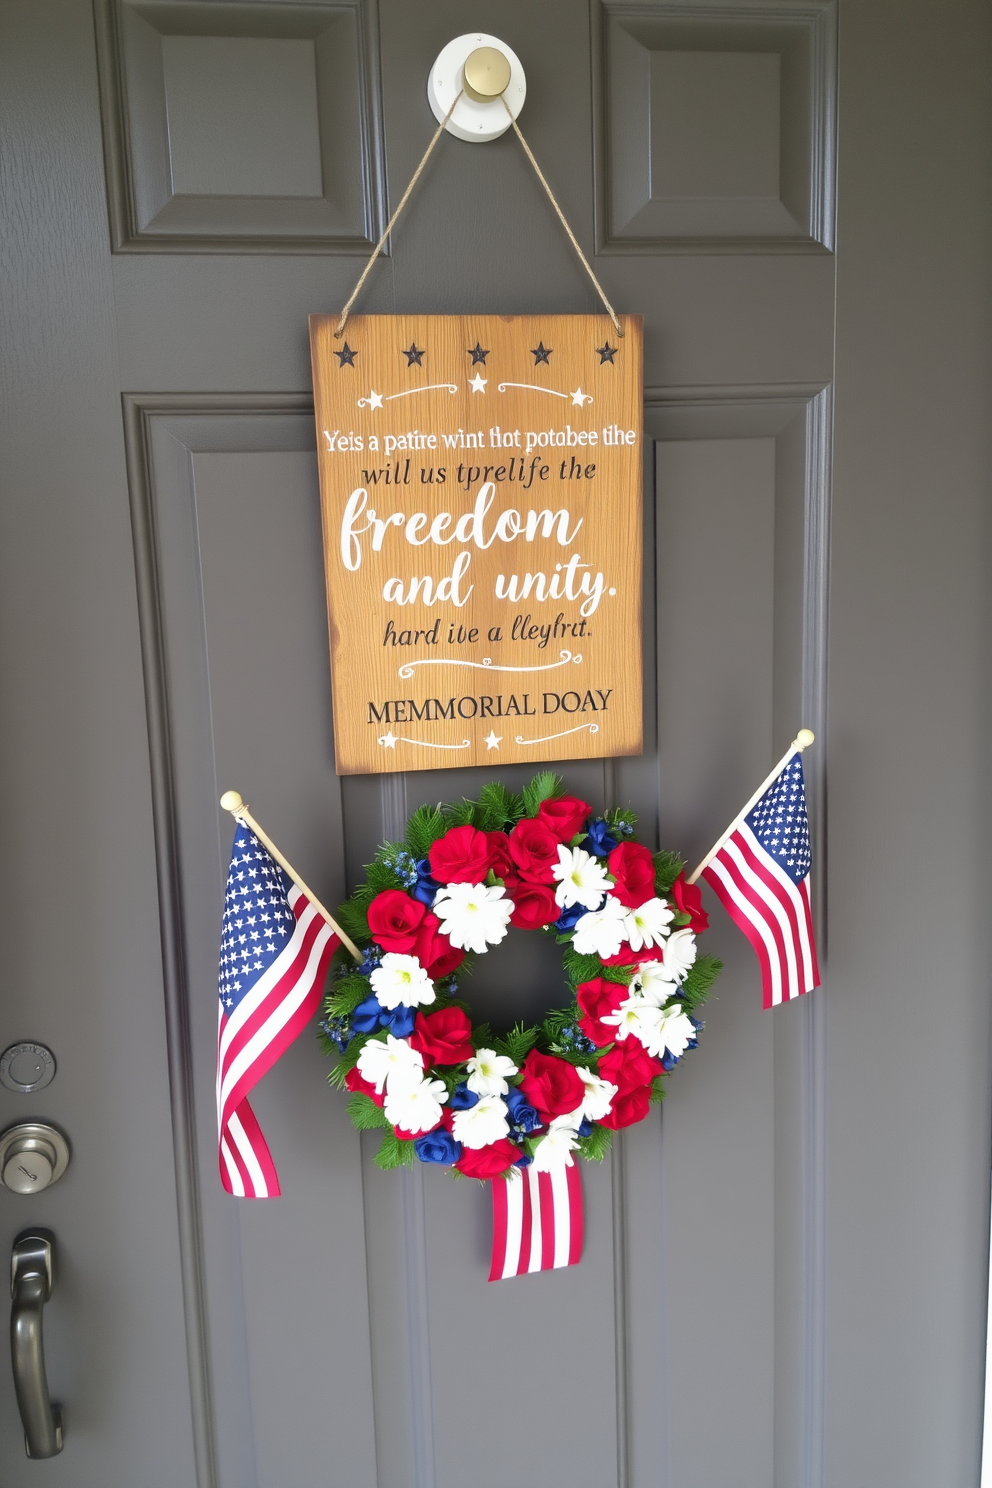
[537, 1221]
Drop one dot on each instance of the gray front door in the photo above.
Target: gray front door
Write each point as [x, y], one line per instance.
[783, 1280]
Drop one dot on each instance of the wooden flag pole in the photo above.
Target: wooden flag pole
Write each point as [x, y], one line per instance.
[232, 802]
[802, 741]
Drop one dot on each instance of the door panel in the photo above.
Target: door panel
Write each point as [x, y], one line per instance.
[743, 1315]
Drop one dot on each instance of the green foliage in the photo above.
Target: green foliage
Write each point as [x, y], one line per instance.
[352, 915]
[620, 974]
[581, 968]
[597, 1144]
[381, 873]
[348, 1060]
[393, 1153]
[542, 788]
[425, 826]
[658, 1091]
[365, 1114]
[559, 1019]
[460, 814]
[622, 815]
[699, 980]
[498, 809]
[517, 1044]
[667, 867]
[346, 995]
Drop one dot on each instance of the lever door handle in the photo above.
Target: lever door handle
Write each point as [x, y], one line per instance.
[32, 1276]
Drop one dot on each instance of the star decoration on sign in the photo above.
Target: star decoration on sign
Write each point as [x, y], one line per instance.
[477, 354]
[606, 353]
[346, 357]
[374, 399]
[579, 397]
[477, 383]
[414, 355]
[541, 353]
[389, 740]
[492, 740]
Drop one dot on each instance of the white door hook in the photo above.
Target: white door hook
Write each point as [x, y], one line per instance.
[486, 72]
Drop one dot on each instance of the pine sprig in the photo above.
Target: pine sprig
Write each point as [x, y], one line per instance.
[459, 814]
[597, 1144]
[667, 867]
[347, 994]
[517, 1044]
[543, 787]
[424, 828]
[394, 1152]
[579, 968]
[498, 809]
[699, 980]
[365, 1114]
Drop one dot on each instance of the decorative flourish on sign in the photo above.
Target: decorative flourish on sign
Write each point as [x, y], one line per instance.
[346, 357]
[477, 354]
[390, 741]
[406, 670]
[593, 728]
[376, 400]
[578, 397]
[541, 353]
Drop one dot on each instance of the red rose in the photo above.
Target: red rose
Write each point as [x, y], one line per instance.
[394, 919]
[534, 848]
[629, 1065]
[460, 856]
[633, 868]
[487, 1162]
[409, 1136]
[357, 1082]
[534, 905]
[596, 999]
[624, 957]
[689, 900]
[444, 1037]
[565, 815]
[499, 857]
[552, 1086]
[628, 1108]
[434, 950]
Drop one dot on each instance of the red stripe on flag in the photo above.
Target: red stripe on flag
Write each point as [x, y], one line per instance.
[547, 1222]
[499, 1187]
[792, 984]
[804, 892]
[742, 922]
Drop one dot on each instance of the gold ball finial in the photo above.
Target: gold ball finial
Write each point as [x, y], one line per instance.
[486, 74]
[804, 738]
[231, 801]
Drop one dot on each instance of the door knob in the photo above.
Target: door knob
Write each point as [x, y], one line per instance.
[33, 1156]
[32, 1276]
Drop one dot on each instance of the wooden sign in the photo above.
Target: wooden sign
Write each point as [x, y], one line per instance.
[481, 480]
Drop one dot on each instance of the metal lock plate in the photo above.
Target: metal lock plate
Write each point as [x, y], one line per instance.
[26, 1068]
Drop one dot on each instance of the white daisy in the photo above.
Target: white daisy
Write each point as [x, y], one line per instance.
[481, 1124]
[582, 878]
[599, 1095]
[415, 1108]
[653, 981]
[401, 979]
[472, 916]
[680, 953]
[602, 931]
[390, 1063]
[487, 1072]
[630, 1016]
[647, 925]
[555, 1148]
[661, 1029]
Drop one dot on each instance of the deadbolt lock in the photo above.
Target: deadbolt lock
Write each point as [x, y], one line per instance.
[33, 1156]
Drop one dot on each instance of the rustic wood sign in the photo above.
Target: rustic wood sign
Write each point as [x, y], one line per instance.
[481, 481]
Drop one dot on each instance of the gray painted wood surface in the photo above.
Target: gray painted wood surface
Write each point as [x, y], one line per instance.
[783, 1280]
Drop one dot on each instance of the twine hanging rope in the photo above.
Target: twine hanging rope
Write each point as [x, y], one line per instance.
[339, 331]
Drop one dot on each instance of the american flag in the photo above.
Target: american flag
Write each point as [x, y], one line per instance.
[275, 951]
[761, 874]
[537, 1221]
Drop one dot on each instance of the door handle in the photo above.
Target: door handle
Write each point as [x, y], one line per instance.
[32, 1276]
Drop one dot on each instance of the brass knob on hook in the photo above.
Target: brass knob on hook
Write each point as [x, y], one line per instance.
[486, 74]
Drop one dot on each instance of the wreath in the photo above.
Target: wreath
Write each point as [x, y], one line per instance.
[450, 1091]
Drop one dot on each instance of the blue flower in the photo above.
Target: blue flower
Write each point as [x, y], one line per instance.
[584, 1128]
[339, 1030]
[461, 1098]
[523, 1161]
[438, 1147]
[424, 887]
[569, 918]
[668, 1061]
[571, 1037]
[522, 1113]
[372, 958]
[366, 1017]
[598, 840]
[399, 1020]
